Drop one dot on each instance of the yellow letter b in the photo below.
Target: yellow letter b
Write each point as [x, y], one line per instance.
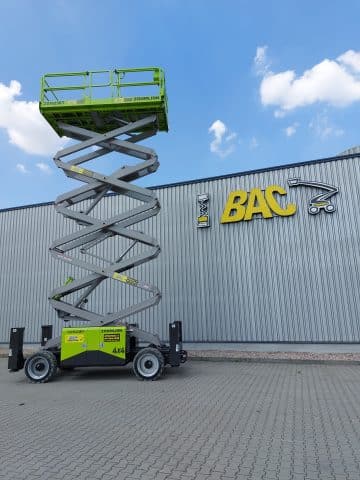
[234, 210]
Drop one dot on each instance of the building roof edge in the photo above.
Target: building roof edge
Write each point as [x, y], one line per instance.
[218, 177]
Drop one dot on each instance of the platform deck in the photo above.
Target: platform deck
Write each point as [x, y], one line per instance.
[81, 103]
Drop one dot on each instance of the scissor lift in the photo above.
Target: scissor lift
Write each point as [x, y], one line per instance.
[113, 112]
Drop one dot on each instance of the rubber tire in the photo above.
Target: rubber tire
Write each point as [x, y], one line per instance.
[148, 351]
[50, 358]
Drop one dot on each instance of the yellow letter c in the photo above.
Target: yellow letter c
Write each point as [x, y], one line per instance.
[273, 204]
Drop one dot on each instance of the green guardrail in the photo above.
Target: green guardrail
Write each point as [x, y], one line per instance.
[74, 97]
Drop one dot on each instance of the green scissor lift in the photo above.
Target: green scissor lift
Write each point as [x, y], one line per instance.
[104, 111]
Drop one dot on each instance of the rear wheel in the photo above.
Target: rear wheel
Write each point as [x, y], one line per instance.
[41, 367]
[148, 364]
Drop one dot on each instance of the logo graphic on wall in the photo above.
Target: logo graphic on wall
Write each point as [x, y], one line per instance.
[320, 201]
[203, 217]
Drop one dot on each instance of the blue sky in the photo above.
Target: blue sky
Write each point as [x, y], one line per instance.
[251, 84]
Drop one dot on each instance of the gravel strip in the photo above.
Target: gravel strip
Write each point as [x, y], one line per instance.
[302, 356]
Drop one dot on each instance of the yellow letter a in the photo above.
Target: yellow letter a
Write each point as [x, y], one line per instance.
[256, 197]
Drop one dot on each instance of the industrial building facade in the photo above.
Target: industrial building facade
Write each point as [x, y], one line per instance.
[265, 256]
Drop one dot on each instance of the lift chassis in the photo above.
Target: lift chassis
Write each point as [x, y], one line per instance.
[101, 126]
[98, 346]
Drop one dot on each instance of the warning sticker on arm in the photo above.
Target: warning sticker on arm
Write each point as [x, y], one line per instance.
[125, 279]
[76, 169]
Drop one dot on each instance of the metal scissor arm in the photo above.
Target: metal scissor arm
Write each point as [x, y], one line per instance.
[79, 205]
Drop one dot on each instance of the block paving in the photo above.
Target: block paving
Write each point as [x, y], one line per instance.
[203, 421]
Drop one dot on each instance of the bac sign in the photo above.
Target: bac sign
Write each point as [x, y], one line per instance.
[242, 205]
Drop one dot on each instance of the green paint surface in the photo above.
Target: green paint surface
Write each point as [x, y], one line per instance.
[110, 340]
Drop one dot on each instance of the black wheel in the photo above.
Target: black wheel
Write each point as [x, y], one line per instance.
[148, 364]
[41, 367]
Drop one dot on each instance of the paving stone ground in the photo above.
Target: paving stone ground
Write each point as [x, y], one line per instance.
[203, 421]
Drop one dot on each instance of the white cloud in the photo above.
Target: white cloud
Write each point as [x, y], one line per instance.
[21, 168]
[333, 82]
[261, 62]
[230, 137]
[25, 126]
[291, 129]
[323, 128]
[44, 167]
[279, 114]
[253, 143]
[351, 59]
[221, 145]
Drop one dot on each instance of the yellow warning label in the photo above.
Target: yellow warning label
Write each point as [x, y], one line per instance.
[75, 168]
[74, 338]
[125, 279]
[119, 276]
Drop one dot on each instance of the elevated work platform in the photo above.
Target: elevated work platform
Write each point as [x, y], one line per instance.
[107, 111]
[103, 100]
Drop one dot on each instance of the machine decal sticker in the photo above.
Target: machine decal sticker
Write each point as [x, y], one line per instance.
[111, 337]
[82, 171]
[118, 350]
[74, 338]
[125, 279]
[320, 201]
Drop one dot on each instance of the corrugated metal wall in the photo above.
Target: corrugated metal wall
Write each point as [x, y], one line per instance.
[280, 279]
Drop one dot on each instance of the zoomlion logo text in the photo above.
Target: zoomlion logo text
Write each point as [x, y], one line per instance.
[242, 205]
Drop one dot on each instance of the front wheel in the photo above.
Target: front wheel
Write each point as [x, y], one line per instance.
[41, 367]
[148, 364]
